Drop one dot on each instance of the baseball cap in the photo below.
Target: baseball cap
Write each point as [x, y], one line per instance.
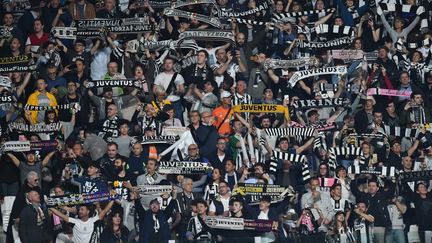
[225, 94]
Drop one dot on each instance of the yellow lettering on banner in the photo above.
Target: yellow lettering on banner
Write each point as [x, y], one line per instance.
[258, 108]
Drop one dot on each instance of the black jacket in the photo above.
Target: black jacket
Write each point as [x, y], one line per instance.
[377, 204]
[30, 231]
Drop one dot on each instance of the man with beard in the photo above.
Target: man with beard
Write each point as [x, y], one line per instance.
[246, 47]
[260, 173]
[107, 161]
[225, 64]
[123, 180]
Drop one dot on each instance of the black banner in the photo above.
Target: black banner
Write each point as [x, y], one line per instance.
[37, 128]
[114, 83]
[16, 64]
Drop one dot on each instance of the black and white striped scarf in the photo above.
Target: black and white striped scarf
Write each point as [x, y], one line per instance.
[335, 29]
[290, 132]
[387, 171]
[424, 43]
[401, 131]
[334, 87]
[404, 8]
[294, 158]
[338, 151]
[278, 16]
[249, 22]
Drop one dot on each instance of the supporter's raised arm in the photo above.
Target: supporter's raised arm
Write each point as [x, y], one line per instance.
[47, 158]
[324, 19]
[60, 214]
[14, 159]
[273, 76]
[304, 86]
[103, 212]
[222, 68]
[305, 146]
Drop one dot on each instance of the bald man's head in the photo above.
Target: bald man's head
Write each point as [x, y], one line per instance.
[240, 38]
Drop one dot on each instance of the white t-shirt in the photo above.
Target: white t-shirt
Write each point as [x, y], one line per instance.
[82, 231]
[164, 80]
[225, 203]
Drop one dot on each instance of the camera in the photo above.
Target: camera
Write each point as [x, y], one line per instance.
[233, 50]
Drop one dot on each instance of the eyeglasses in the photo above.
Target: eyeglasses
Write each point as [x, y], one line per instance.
[36, 180]
[192, 149]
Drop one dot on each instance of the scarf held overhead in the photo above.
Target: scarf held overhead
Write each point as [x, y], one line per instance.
[37, 128]
[228, 14]
[75, 199]
[114, 83]
[339, 42]
[389, 92]
[74, 106]
[330, 102]
[183, 167]
[299, 75]
[189, 15]
[286, 64]
[208, 35]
